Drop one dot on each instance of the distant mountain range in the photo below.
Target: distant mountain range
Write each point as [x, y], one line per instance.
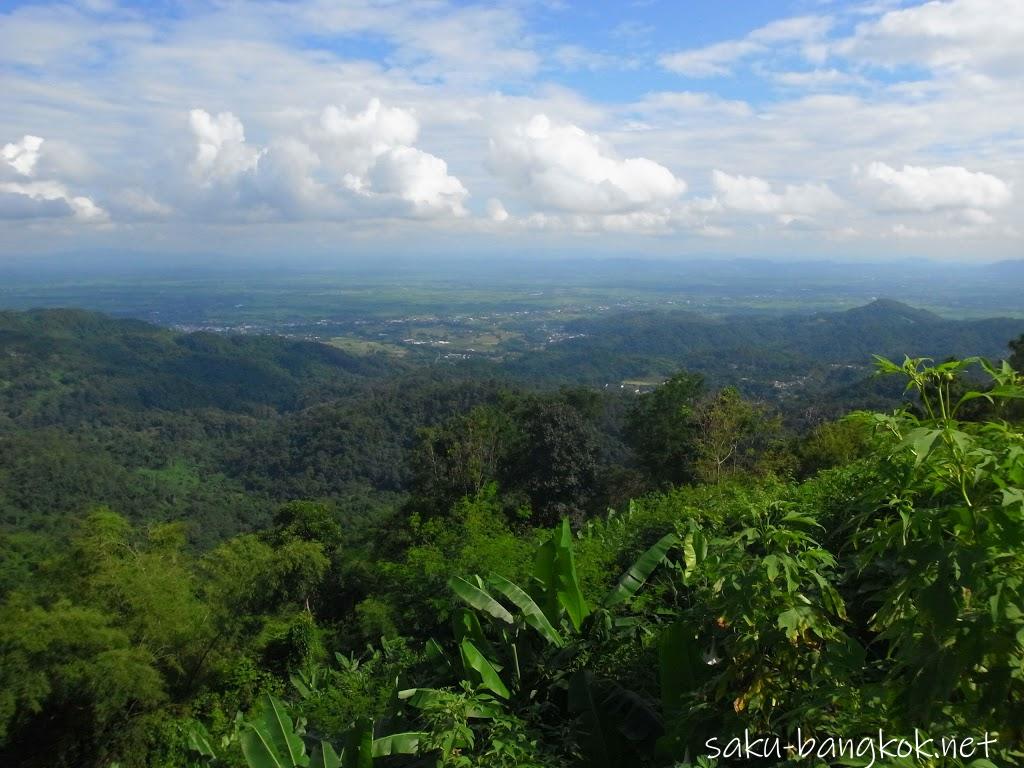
[763, 353]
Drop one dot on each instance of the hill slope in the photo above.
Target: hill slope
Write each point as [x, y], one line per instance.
[757, 352]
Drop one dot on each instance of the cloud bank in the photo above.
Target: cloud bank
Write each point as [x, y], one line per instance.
[315, 123]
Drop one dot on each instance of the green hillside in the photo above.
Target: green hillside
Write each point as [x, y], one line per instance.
[250, 551]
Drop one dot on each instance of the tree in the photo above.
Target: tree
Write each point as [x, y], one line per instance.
[731, 434]
[661, 429]
[556, 462]
[460, 457]
[1017, 353]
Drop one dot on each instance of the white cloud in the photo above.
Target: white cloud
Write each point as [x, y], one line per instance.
[422, 88]
[561, 166]
[496, 210]
[435, 39]
[344, 166]
[807, 32]
[576, 57]
[710, 61]
[24, 155]
[687, 105]
[136, 203]
[45, 197]
[972, 35]
[755, 195]
[918, 188]
[815, 79]
[221, 151]
[53, 192]
[420, 179]
[351, 144]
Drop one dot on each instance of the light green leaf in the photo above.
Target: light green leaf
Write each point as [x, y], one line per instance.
[555, 571]
[531, 612]
[479, 599]
[271, 740]
[919, 442]
[485, 673]
[398, 744]
[631, 581]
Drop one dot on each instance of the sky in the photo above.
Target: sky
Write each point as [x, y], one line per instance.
[280, 129]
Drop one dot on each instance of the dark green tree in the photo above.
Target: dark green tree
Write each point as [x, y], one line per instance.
[556, 462]
[662, 428]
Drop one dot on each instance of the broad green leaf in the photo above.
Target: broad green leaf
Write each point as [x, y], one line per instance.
[270, 739]
[199, 739]
[795, 620]
[631, 581]
[300, 685]
[695, 550]
[485, 673]
[531, 612]
[555, 571]
[407, 743]
[324, 756]
[466, 624]
[479, 599]
[800, 519]
[919, 442]
[258, 750]
[358, 752]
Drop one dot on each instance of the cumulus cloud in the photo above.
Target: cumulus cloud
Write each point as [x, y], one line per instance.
[973, 35]
[419, 178]
[755, 195]
[221, 151]
[23, 155]
[887, 80]
[336, 166]
[58, 198]
[918, 188]
[40, 198]
[352, 143]
[561, 166]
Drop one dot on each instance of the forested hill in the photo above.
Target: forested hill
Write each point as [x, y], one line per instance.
[215, 430]
[759, 353]
[66, 364]
[205, 428]
[425, 570]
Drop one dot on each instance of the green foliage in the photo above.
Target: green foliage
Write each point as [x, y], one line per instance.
[884, 590]
[947, 536]
[661, 428]
[270, 740]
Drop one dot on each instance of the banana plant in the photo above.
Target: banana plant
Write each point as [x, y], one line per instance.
[536, 635]
[271, 739]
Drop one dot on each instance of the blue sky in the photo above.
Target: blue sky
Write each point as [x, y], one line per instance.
[806, 128]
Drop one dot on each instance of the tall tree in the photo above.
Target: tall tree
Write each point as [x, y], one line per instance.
[661, 428]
